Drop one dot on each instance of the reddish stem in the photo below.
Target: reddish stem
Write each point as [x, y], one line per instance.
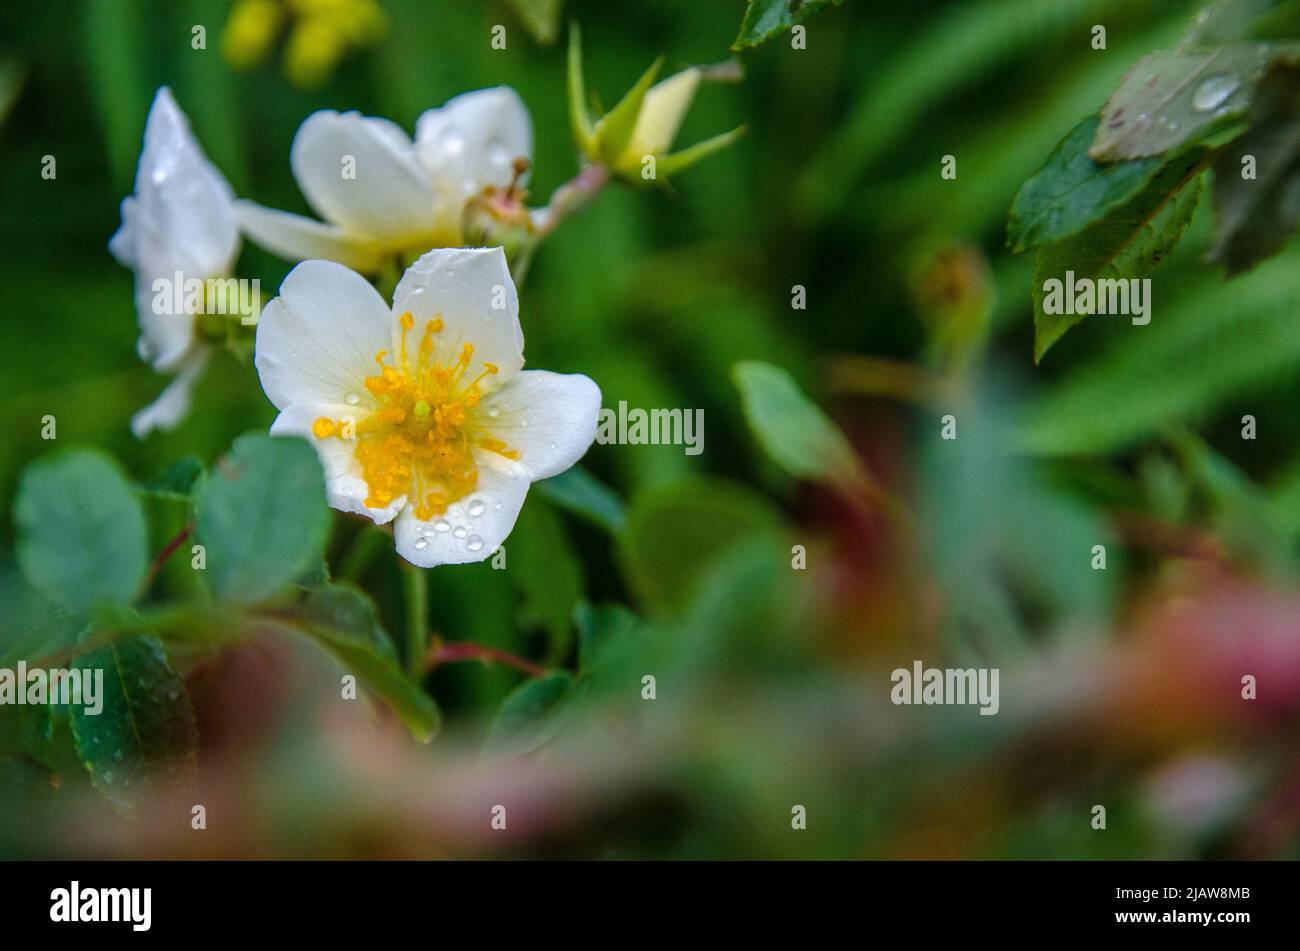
[156, 565]
[440, 652]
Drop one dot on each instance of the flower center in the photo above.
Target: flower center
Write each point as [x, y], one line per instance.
[421, 439]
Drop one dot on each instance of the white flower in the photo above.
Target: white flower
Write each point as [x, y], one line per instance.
[379, 193]
[180, 220]
[422, 412]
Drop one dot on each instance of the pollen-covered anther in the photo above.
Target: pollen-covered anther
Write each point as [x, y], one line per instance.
[420, 440]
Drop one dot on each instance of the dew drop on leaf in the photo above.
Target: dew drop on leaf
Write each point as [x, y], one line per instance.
[1214, 91]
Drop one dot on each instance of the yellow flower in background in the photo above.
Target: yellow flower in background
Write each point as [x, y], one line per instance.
[320, 34]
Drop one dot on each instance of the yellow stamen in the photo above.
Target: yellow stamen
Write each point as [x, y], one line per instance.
[420, 441]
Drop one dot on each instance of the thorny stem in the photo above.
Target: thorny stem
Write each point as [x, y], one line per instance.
[415, 586]
[440, 652]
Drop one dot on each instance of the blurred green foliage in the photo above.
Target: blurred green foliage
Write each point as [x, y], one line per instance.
[771, 681]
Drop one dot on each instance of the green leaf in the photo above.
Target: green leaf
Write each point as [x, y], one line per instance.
[26, 730]
[1257, 216]
[1211, 343]
[1173, 98]
[615, 128]
[792, 430]
[548, 574]
[540, 17]
[81, 531]
[578, 491]
[261, 516]
[676, 528]
[145, 735]
[765, 19]
[531, 715]
[114, 34]
[1073, 191]
[945, 57]
[176, 482]
[1131, 242]
[1007, 553]
[12, 76]
[1226, 21]
[1239, 511]
[344, 621]
[601, 628]
[31, 625]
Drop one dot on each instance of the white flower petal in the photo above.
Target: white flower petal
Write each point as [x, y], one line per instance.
[473, 140]
[166, 339]
[317, 341]
[550, 418]
[472, 528]
[180, 217]
[173, 404]
[390, 198]
[300, 239]
[463, 286]
[345, 489]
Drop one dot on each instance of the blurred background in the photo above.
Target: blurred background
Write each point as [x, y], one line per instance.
[1119, 687]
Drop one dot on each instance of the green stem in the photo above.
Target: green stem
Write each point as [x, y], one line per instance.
[415, 585]
[368, 543]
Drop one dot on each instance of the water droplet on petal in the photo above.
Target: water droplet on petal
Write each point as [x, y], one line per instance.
[1214, 91]
[476, 508]
[441, 525]
[452, 140]
[421, 544]
[474, 543]
[460, 531]
[352, 399]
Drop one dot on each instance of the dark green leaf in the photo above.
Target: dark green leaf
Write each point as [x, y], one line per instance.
[1258, 215]
[601, 627]
[176, 482]
[531, 714]
[26, 730]
[765, 19]
[1131, 242]
[261, 516]
[675, 529]
[145, 735]
[1213, 342]
[81, 531]
[344, 621]
[545, 569]
[1073, 191]
[578, 491]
